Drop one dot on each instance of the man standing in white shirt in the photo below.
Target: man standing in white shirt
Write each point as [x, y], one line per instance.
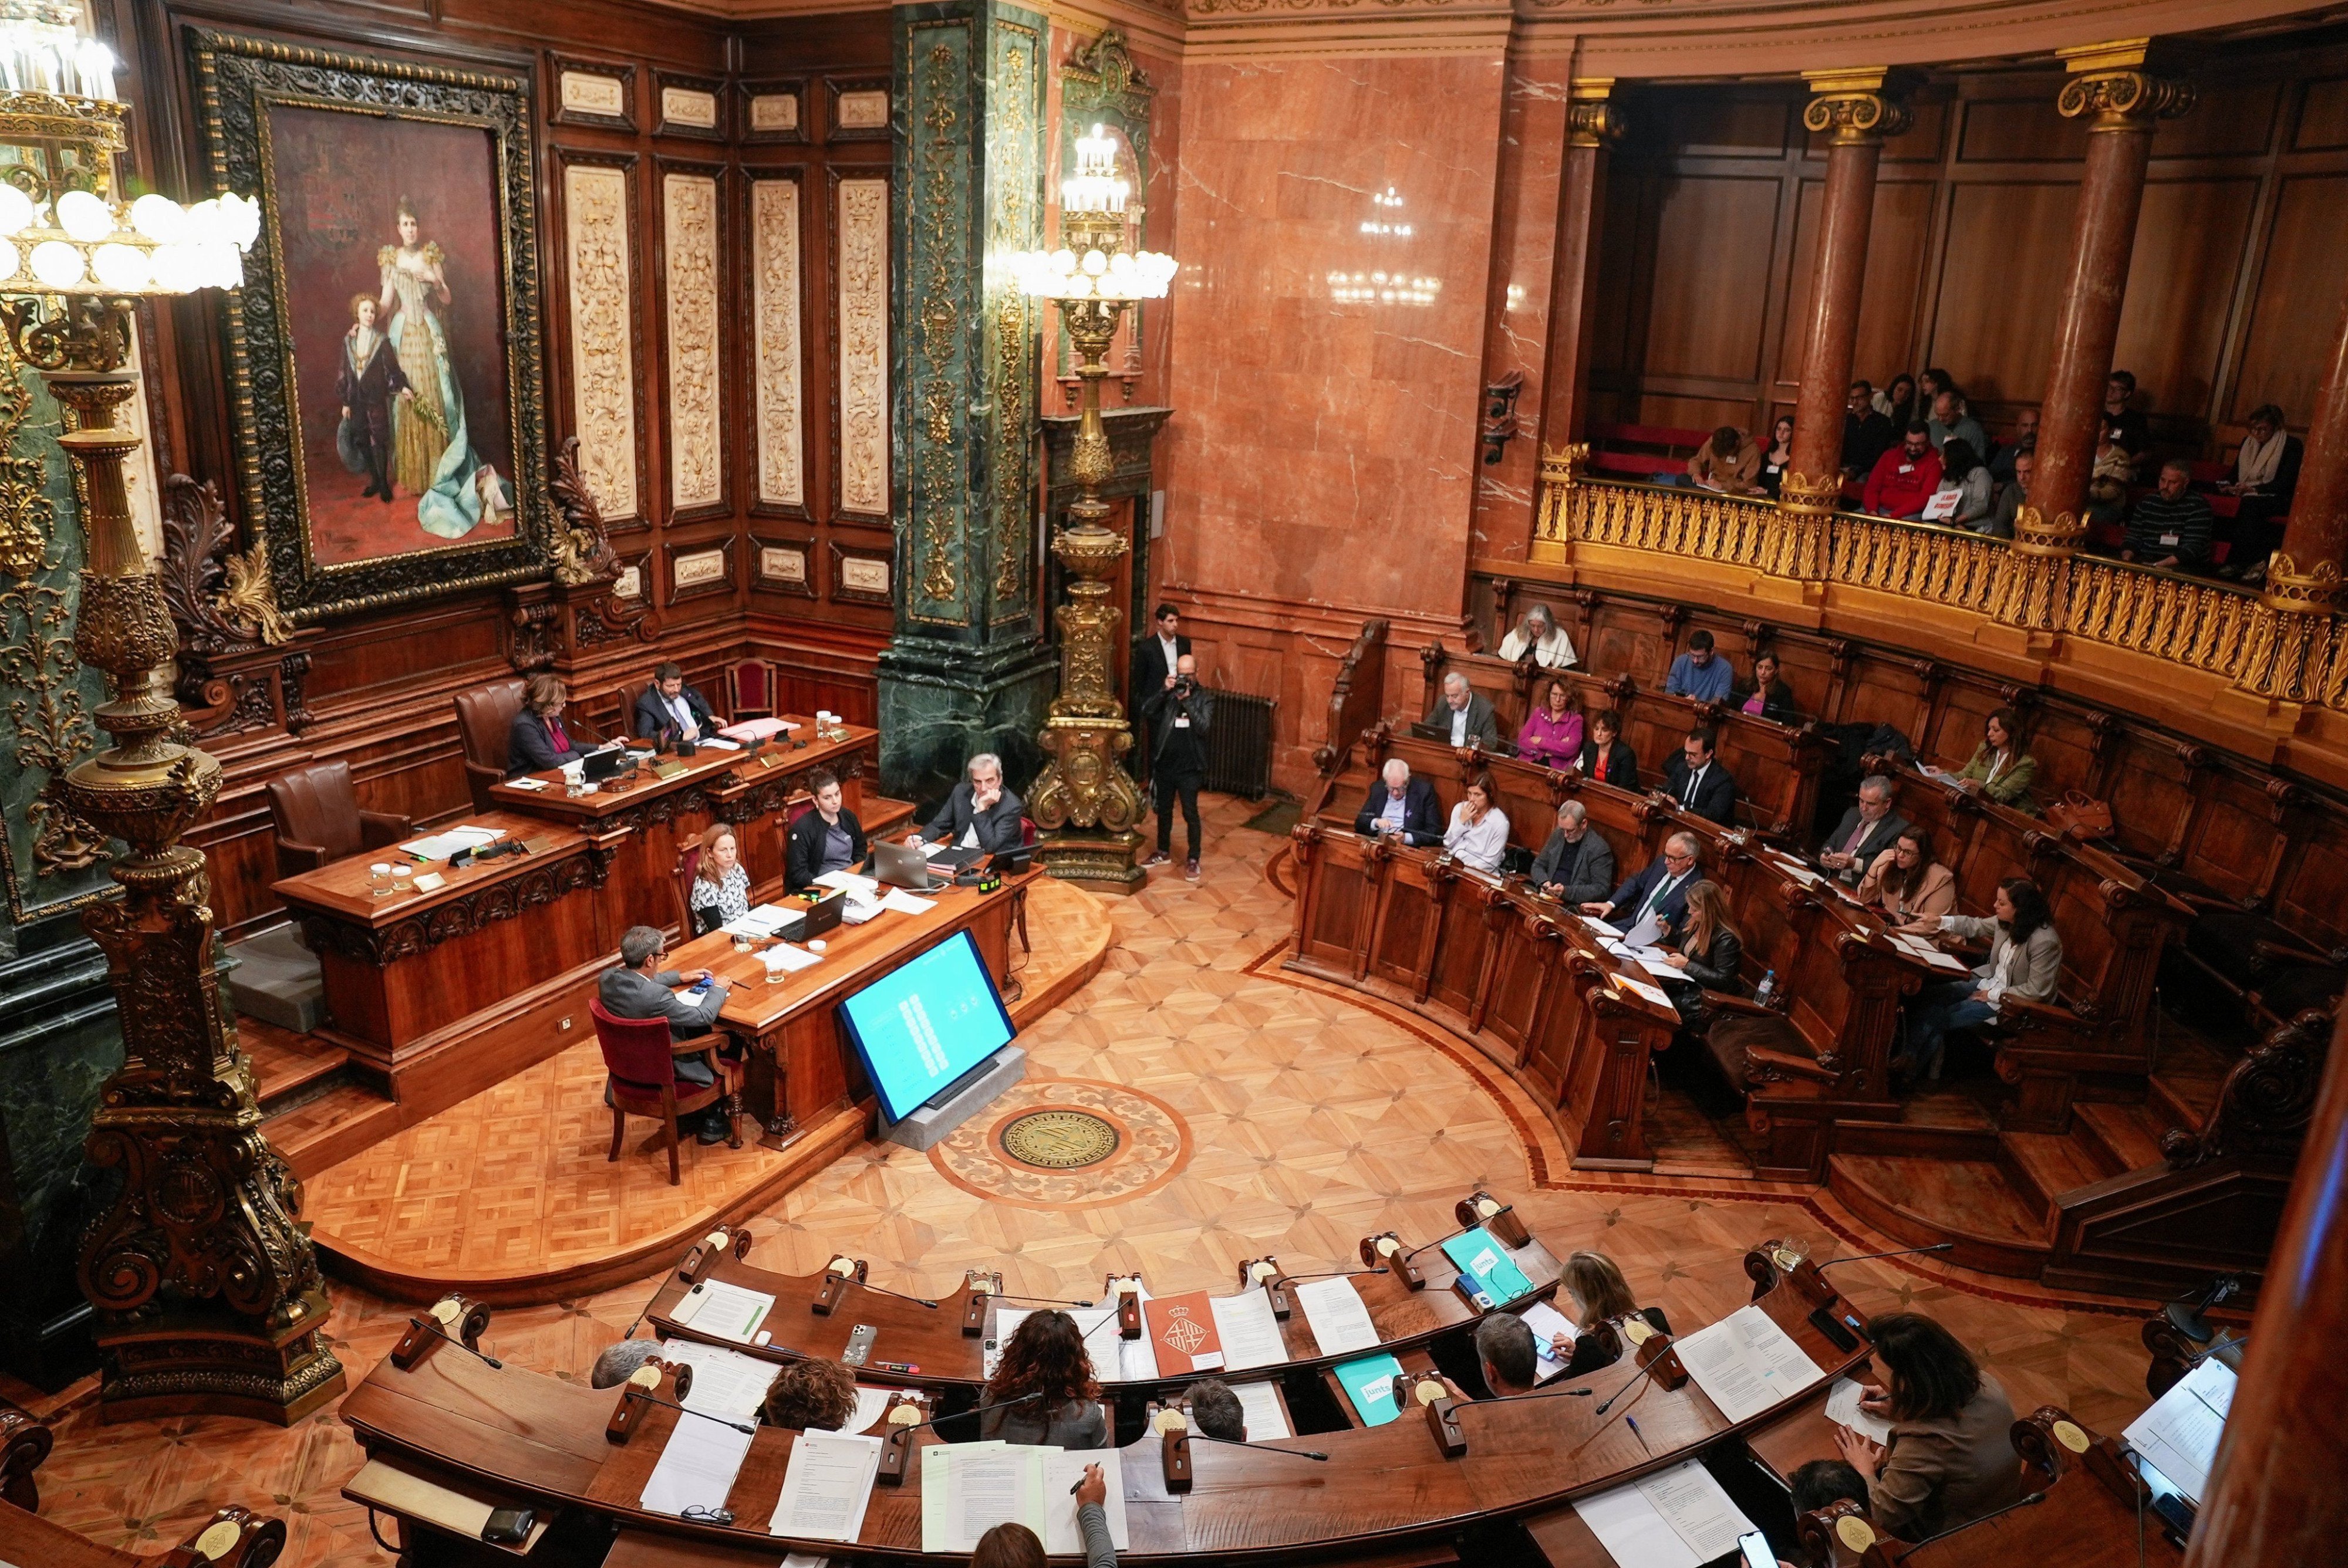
[1154, 656]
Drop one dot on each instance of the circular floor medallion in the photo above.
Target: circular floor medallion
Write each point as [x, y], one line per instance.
[1059, 1139]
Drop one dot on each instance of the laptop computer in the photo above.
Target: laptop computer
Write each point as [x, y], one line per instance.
[822, 915]
[903, 865]
[602, 765]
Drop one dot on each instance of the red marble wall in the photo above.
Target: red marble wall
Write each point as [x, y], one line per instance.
[1321, 466]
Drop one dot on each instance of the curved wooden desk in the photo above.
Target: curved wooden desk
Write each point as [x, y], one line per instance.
[1384, 1490]
[951, 1360]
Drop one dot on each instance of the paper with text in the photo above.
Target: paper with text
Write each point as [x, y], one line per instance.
[725, 1382]
[1063, 1470]
[1266, 1416]
[870, 1404]
[1745, 1363]
[2177, 1436]
[728, 1311]
[1249, 1333]
[698, 1467]
[1546, 1323]
[825, 1485]
[1843, 1410]
[1333, 1307]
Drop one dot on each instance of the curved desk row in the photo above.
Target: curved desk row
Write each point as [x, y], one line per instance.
[1390, 1494]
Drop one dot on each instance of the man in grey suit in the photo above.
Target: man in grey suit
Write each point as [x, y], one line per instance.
[1866, 830]
[1465, 715]
[637, 986]
[1576, 866]
[980, 813]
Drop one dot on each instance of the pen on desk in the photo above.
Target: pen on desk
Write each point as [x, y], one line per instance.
[905, 1367]
[1635, 1432]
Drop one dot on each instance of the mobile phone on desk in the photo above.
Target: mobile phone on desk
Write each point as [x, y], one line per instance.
[1757, 1551]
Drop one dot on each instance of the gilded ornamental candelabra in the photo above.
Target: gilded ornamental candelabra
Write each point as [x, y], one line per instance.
[208, 1293]
[1084, 800]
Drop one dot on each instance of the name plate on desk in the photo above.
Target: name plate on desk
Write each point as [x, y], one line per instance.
[538, 845]
[431, 882]
[668, 770]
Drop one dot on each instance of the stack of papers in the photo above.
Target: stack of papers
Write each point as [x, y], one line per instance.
[698, 1467]
[756, 728]
[527, 783]
[789, 960]
[725, 1382]
[870, 1404]
[1333, 1307]
[2179, 1435]
[762, 922]
[1267, 1417]
[1920, 947]
[1677, 1518]
[1746, 1363]
[1654, 960]
[849, 882]
[719, 744]
[1645, 991]
[727, 1311]
[968, 1489]
[442, 844]
[905, 903]
[827, 1484]
[1600, 927]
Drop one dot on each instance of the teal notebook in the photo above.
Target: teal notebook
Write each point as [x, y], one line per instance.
[1369, 1383]
[1497, 1274]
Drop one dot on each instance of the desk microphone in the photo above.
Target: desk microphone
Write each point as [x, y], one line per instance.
[1644, 1373]
[432, 1326]
[910, 1427]
[2222, 1343]
[1044, 1300]
[1903, 1251]
[1332, 1273]
[1197, 1436]
[688, 1410]
[877, 1290]
[2035, 1496]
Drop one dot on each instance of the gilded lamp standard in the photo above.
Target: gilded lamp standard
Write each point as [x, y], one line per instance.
[208, 1293]
[1084, 801]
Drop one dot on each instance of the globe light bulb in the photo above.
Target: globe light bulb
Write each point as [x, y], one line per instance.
[122, 267]
[159, 218]
[240, 222]
[84, 215]
[1064, 262]
[174, 270]
[1095, 263]
[16, 210]
[56, 265]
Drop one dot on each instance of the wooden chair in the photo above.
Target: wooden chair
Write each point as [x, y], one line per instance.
[485, 717]
[750, 690]
[316, 814]
[688, 867]
[643, 1081]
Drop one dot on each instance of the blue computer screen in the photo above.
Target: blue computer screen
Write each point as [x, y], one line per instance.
[927, 1023]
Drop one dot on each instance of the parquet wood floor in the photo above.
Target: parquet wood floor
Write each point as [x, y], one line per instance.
[1313, 1119]
[509, 1195]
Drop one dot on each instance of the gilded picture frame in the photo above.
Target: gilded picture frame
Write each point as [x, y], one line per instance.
[456, 262]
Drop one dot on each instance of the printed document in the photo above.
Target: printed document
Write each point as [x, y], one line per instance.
[1249, 1333]
[825, 1486]
[1677, 1518]
[1745, 1364]
[2179, 1435]
[1547, 1322]
[1266, 1417]
[1333, 1307]
[725, 1382]
[1843, 1410]
[697, 1470]
[728, 1311]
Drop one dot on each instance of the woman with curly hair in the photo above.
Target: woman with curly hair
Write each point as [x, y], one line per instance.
[1046, 1369]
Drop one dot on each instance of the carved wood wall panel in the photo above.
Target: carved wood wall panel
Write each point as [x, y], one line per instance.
[597, 230]
[690, 229]
[862, 239]
[777, 351]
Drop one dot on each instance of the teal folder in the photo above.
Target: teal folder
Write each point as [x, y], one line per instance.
[1496, 1272]
[1369, 1383]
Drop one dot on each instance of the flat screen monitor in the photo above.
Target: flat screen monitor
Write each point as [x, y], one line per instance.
[927, 1025]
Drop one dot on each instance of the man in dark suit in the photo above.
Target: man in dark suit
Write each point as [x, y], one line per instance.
[1659, 892]
[1577, 864]
[828, 838]
[980, 813]
[1606, 756]
[637, 986]
[1401, 806]
[670, 711]
[1179, 716]
[1155, 653]
[1866, 830]
[1699, 784]
[1465, 715]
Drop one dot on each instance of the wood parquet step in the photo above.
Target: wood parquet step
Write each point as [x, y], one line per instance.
[1313, 1119]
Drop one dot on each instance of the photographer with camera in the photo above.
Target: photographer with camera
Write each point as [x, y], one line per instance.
[1178, 715]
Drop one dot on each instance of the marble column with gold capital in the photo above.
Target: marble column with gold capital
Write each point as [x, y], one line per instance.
[1855, 111]
[1594, 124]
[2115, 89]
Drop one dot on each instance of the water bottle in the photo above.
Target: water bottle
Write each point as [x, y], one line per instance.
[1766, 988]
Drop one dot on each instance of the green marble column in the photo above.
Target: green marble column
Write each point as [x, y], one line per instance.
[969, 669]
[59, 1038]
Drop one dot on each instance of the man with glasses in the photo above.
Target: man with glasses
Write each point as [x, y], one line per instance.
[1659, 893]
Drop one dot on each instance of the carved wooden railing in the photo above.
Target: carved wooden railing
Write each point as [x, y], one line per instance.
[1357, 701]
[2284, 644]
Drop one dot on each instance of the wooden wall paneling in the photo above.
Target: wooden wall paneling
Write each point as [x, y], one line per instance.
[2191, 243]
[2299, 290]
[1996, 305]
[603, 339]
[1715, 239]
[777, 290]
[2322, 123]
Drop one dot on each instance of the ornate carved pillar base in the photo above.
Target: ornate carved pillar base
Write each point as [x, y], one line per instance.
[201, 1364]
[2033, 577]
[1806, 509]
[1552, 540]
[1110, 862]
[2290, 641]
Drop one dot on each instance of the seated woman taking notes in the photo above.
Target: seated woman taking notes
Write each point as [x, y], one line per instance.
[1015, 1546]
[1598, 1293]
[1479, 835]
[1951, 1459]
[1046, 1369]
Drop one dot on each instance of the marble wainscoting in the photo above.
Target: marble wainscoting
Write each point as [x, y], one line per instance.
[1336, 230]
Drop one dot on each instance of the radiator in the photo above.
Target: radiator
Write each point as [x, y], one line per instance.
[1239, 744]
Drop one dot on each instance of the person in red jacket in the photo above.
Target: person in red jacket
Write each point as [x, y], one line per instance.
[1904, 477]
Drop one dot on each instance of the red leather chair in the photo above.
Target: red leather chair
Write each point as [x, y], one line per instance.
[485, 717]
[750, 691]
[643, 1081]
[316, 814]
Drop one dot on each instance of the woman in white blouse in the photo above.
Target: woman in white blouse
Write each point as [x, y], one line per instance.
[721, 887]
[1479, 835]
